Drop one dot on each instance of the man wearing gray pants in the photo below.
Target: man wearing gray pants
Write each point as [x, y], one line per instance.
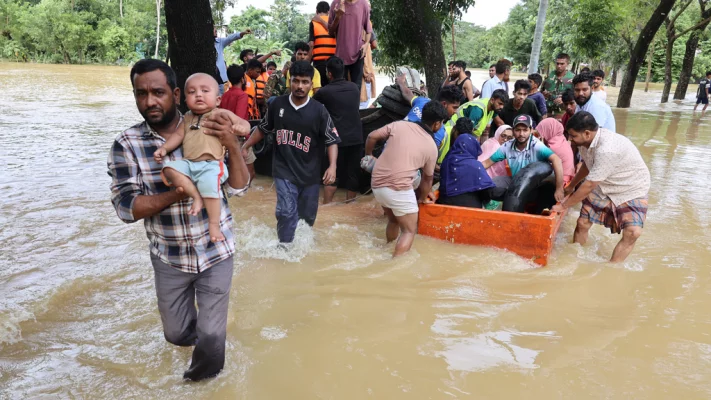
[188, 266]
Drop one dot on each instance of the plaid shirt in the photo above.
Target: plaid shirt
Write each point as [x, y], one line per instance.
[178, 239]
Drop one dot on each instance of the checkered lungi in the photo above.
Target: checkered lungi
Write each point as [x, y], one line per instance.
[599, 209]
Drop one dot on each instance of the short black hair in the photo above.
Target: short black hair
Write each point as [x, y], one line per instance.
[468, 74]
[500, 94]
[303, 46]
[584, 69]
[150, 65]
[335, 66]
[567, 96]
[244, 53]
[271, 64]
[254, 64]
[708, 73]
[433, 112]
[301, 68]
[235, 73]
[461, 64]
[492, 66]
[522, 84]
[451, 94]
[599, 73]
[582, 121]
[536, 78]
[464, 125]
[583, 77]
[502, 66]
[451, 63]
[322, 7]
[562, 56]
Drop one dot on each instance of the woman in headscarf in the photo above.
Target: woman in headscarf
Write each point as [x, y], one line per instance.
[551, 131]
[464, 181]
[503, 134]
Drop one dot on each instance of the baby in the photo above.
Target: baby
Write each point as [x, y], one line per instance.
[202, 171]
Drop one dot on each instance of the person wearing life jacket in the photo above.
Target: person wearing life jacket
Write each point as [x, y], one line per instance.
[254, 70]
[259, 84]
[481, 112]
[322, 44]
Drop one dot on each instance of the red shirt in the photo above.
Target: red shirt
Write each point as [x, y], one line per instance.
[236, 100]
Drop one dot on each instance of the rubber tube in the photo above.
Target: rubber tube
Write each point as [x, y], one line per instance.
[524, 185]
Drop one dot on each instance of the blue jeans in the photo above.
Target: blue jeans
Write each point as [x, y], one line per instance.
[294, 203]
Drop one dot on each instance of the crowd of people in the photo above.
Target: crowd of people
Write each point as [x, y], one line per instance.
[176, 171]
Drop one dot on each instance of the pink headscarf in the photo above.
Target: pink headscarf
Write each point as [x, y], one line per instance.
[489, 148]
[552, 131]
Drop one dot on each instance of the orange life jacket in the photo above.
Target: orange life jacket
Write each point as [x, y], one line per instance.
[261, 81]
[251, 89]
[324, 44]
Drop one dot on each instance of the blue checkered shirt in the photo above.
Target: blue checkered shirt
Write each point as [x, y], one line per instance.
[178, 239]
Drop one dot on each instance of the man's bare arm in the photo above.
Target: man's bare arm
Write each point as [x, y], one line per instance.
[406, 91]
[375, 137]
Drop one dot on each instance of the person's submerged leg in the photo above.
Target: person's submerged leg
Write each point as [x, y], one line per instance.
[176, 303]
[286, 209]
[308, 203]
[392, 231]
[625, 246]
[212, 288]
[408, 228]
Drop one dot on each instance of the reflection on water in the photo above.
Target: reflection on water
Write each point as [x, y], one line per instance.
[335, 317]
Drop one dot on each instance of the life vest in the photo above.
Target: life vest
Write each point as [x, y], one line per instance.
[261, 82]
[324, 44]
[463, 111]
[251, 89]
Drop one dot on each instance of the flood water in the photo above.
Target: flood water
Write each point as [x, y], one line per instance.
[338, 318]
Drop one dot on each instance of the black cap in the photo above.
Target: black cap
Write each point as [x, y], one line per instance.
[523, 119]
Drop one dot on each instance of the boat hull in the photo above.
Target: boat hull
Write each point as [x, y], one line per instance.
[529, 236]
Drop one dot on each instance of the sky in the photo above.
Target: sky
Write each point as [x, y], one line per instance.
[487, 13]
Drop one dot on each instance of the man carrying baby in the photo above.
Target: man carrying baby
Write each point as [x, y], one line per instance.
[188, 266]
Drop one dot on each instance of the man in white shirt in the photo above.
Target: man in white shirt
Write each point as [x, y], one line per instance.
[499, 81]
[616, 190]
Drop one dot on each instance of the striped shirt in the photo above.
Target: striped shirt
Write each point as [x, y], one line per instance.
[178, 239]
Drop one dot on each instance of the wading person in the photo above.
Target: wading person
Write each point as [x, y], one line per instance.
[582, 86]
[599, 84]
[702, 93]
[556, 83]
[188, 266]
[322, 44]
[304, 132]
[237, 101]
[347, 19]
[410, 147]
[341, 98]
[616, 185]
[220, 44]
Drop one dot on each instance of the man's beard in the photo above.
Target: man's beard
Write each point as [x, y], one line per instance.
[584, 100]
[164, 120]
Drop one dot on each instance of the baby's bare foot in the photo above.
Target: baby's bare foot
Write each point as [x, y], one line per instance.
[197, 206]
[216, 233]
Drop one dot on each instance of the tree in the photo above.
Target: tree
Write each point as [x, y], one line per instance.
[256, 19]
[190, 39]
[292, 26]
[538, 37]
[218, 10]
[410, 32]
[640, 51]
[692, 44]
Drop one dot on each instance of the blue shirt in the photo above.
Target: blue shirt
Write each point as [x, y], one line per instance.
[601, 111]
[517, 159]
[415, 115]
[492, 84]
[540, 103]
[220, 44]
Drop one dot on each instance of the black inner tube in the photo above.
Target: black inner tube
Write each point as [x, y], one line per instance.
[525, 188]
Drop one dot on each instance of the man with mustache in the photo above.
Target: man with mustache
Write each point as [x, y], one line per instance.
[304, 132]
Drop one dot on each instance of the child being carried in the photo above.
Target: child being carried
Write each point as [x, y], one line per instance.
[202, 170]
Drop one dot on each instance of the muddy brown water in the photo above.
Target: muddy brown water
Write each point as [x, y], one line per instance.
[337, 318]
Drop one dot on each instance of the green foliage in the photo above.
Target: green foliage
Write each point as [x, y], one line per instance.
[290, 25]
[90, 31]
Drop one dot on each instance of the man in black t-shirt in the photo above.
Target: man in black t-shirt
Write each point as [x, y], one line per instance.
[342, 99]
[520, 104]
[702, 93]
[304, 131]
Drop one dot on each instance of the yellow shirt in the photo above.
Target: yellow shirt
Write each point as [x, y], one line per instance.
[316, 81]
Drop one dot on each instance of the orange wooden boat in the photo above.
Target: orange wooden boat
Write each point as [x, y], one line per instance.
[530, 236]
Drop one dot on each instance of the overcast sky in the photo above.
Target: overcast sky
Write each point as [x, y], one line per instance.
[486, 12]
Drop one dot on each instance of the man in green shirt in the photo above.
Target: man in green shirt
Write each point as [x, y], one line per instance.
[556, 83]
